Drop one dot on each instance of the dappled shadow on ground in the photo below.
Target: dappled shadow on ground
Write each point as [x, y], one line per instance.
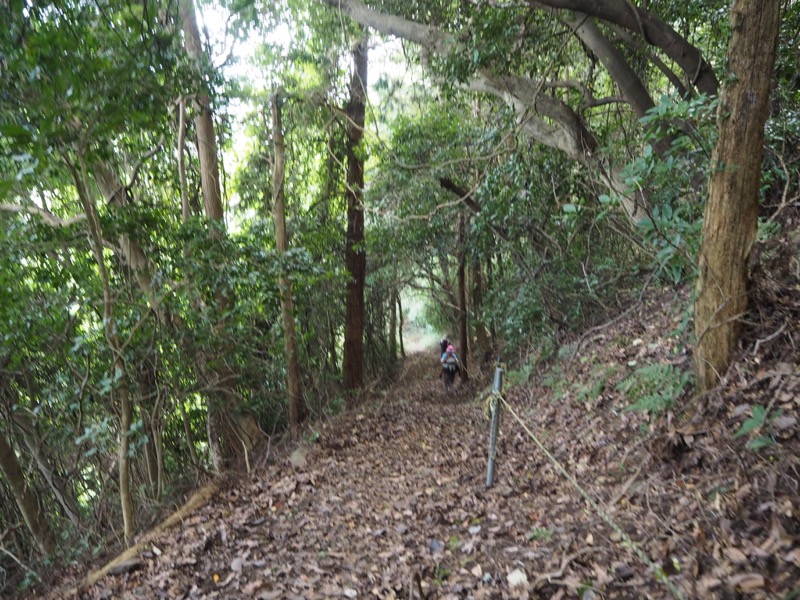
[390, 500]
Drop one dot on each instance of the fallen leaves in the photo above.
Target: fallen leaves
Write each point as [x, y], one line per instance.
[397, 490]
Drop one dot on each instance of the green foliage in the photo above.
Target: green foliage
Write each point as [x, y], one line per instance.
[754, 422]
[544, 534]
[757, 420]
[521, 375]
[674, 182]
[555, 380]
[597, 381]
[654, 388]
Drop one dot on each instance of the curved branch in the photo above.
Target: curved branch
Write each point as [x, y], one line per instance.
[628, 38]
[652, 29]
[546, 119]
[46, 216]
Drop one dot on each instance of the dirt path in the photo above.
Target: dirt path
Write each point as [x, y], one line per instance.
[390, 501]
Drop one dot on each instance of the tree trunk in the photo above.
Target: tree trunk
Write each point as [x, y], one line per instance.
[203, 122]
[297, 406]
[731, 215]
[25, 499]
[392, 325]
[463, 331]
[355, 253]
[118, 370]
[228, 426]
[481, 332]
[401, 325]
[60, 488]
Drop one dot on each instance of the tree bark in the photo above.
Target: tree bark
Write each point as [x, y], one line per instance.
[25, 499]
[228, 426]
[392, 325]
[355, 253]
[115, 346]
[297, 406]
[463, 330]
[203, 122]
[60, 488]
[654, 31]
[615, 63]
[401, 325]
[481, 332]
[731, 215]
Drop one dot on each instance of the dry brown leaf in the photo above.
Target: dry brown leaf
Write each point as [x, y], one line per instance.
[708, 584]
[252, 587]
[735, 555]
[747, 582]
[793, 557]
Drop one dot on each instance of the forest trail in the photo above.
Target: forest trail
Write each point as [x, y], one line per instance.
[390, 501]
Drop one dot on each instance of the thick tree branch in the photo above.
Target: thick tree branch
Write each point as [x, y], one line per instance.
[654, 31]
[46, 216]
[546, 119]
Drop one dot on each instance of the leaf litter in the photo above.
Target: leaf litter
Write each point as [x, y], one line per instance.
[390, 499]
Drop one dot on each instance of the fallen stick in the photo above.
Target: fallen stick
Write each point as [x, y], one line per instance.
[198, 499]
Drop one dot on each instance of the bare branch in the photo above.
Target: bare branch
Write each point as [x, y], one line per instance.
[46, 216]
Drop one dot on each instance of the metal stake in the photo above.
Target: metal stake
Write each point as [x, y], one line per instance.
[497, 389]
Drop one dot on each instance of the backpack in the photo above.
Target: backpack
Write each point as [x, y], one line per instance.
[450, 362]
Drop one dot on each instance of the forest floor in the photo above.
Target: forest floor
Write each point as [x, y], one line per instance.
[390, 499]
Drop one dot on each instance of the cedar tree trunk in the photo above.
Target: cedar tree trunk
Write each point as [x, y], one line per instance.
[463, 332]
[355, 253]
[731, 215]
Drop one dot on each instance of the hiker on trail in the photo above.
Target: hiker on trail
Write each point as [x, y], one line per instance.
[443, 345]
[449, 362]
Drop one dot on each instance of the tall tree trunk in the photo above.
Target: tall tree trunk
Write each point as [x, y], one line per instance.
[185, 209]
[731, 215]
[297, 406]
[392, 325]
[401, 324]
[118, 370]
[481, 333]
[203, 122]
[463, 331]
[25, 499]
[228, 426]
[333, 335]
[355, 253]
[490, 283]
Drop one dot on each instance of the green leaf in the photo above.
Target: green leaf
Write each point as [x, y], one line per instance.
[758, 443]
[14, 130]
[754, 422]
[569, 208]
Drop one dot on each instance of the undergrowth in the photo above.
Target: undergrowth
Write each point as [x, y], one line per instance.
[654, 388]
